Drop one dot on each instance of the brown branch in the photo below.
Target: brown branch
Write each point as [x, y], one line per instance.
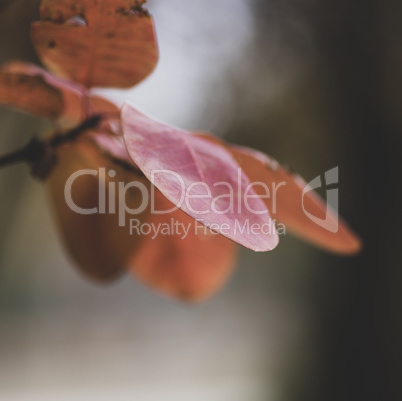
[70, 136]
[16, 156]
[37, 151]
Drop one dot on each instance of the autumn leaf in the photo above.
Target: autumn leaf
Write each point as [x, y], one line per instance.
[30, 91]
[107, 43]
[290, 203]
[96, 242]
[189, 262]
[289, 200]
[181, 164]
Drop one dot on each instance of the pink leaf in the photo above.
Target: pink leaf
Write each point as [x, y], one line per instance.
[201, 178]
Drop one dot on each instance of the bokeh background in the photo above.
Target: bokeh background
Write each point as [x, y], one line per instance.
[314, 83]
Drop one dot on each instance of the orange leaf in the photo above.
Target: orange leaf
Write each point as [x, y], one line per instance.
[31, 93]
[108, 43]
[34, 91]
[190, 268]
[289, 201]
[96, 243]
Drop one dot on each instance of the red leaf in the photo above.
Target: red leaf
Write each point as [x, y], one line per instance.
[189, 266]
[180, 164]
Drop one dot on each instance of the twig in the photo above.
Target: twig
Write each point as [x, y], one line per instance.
[74, 133]
[17, 156]
[36, 150]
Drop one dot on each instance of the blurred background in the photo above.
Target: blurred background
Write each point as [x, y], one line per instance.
[316, 84]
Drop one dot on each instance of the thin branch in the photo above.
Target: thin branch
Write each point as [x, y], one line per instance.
[35, 150]
[17, 156]
[74, 133]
